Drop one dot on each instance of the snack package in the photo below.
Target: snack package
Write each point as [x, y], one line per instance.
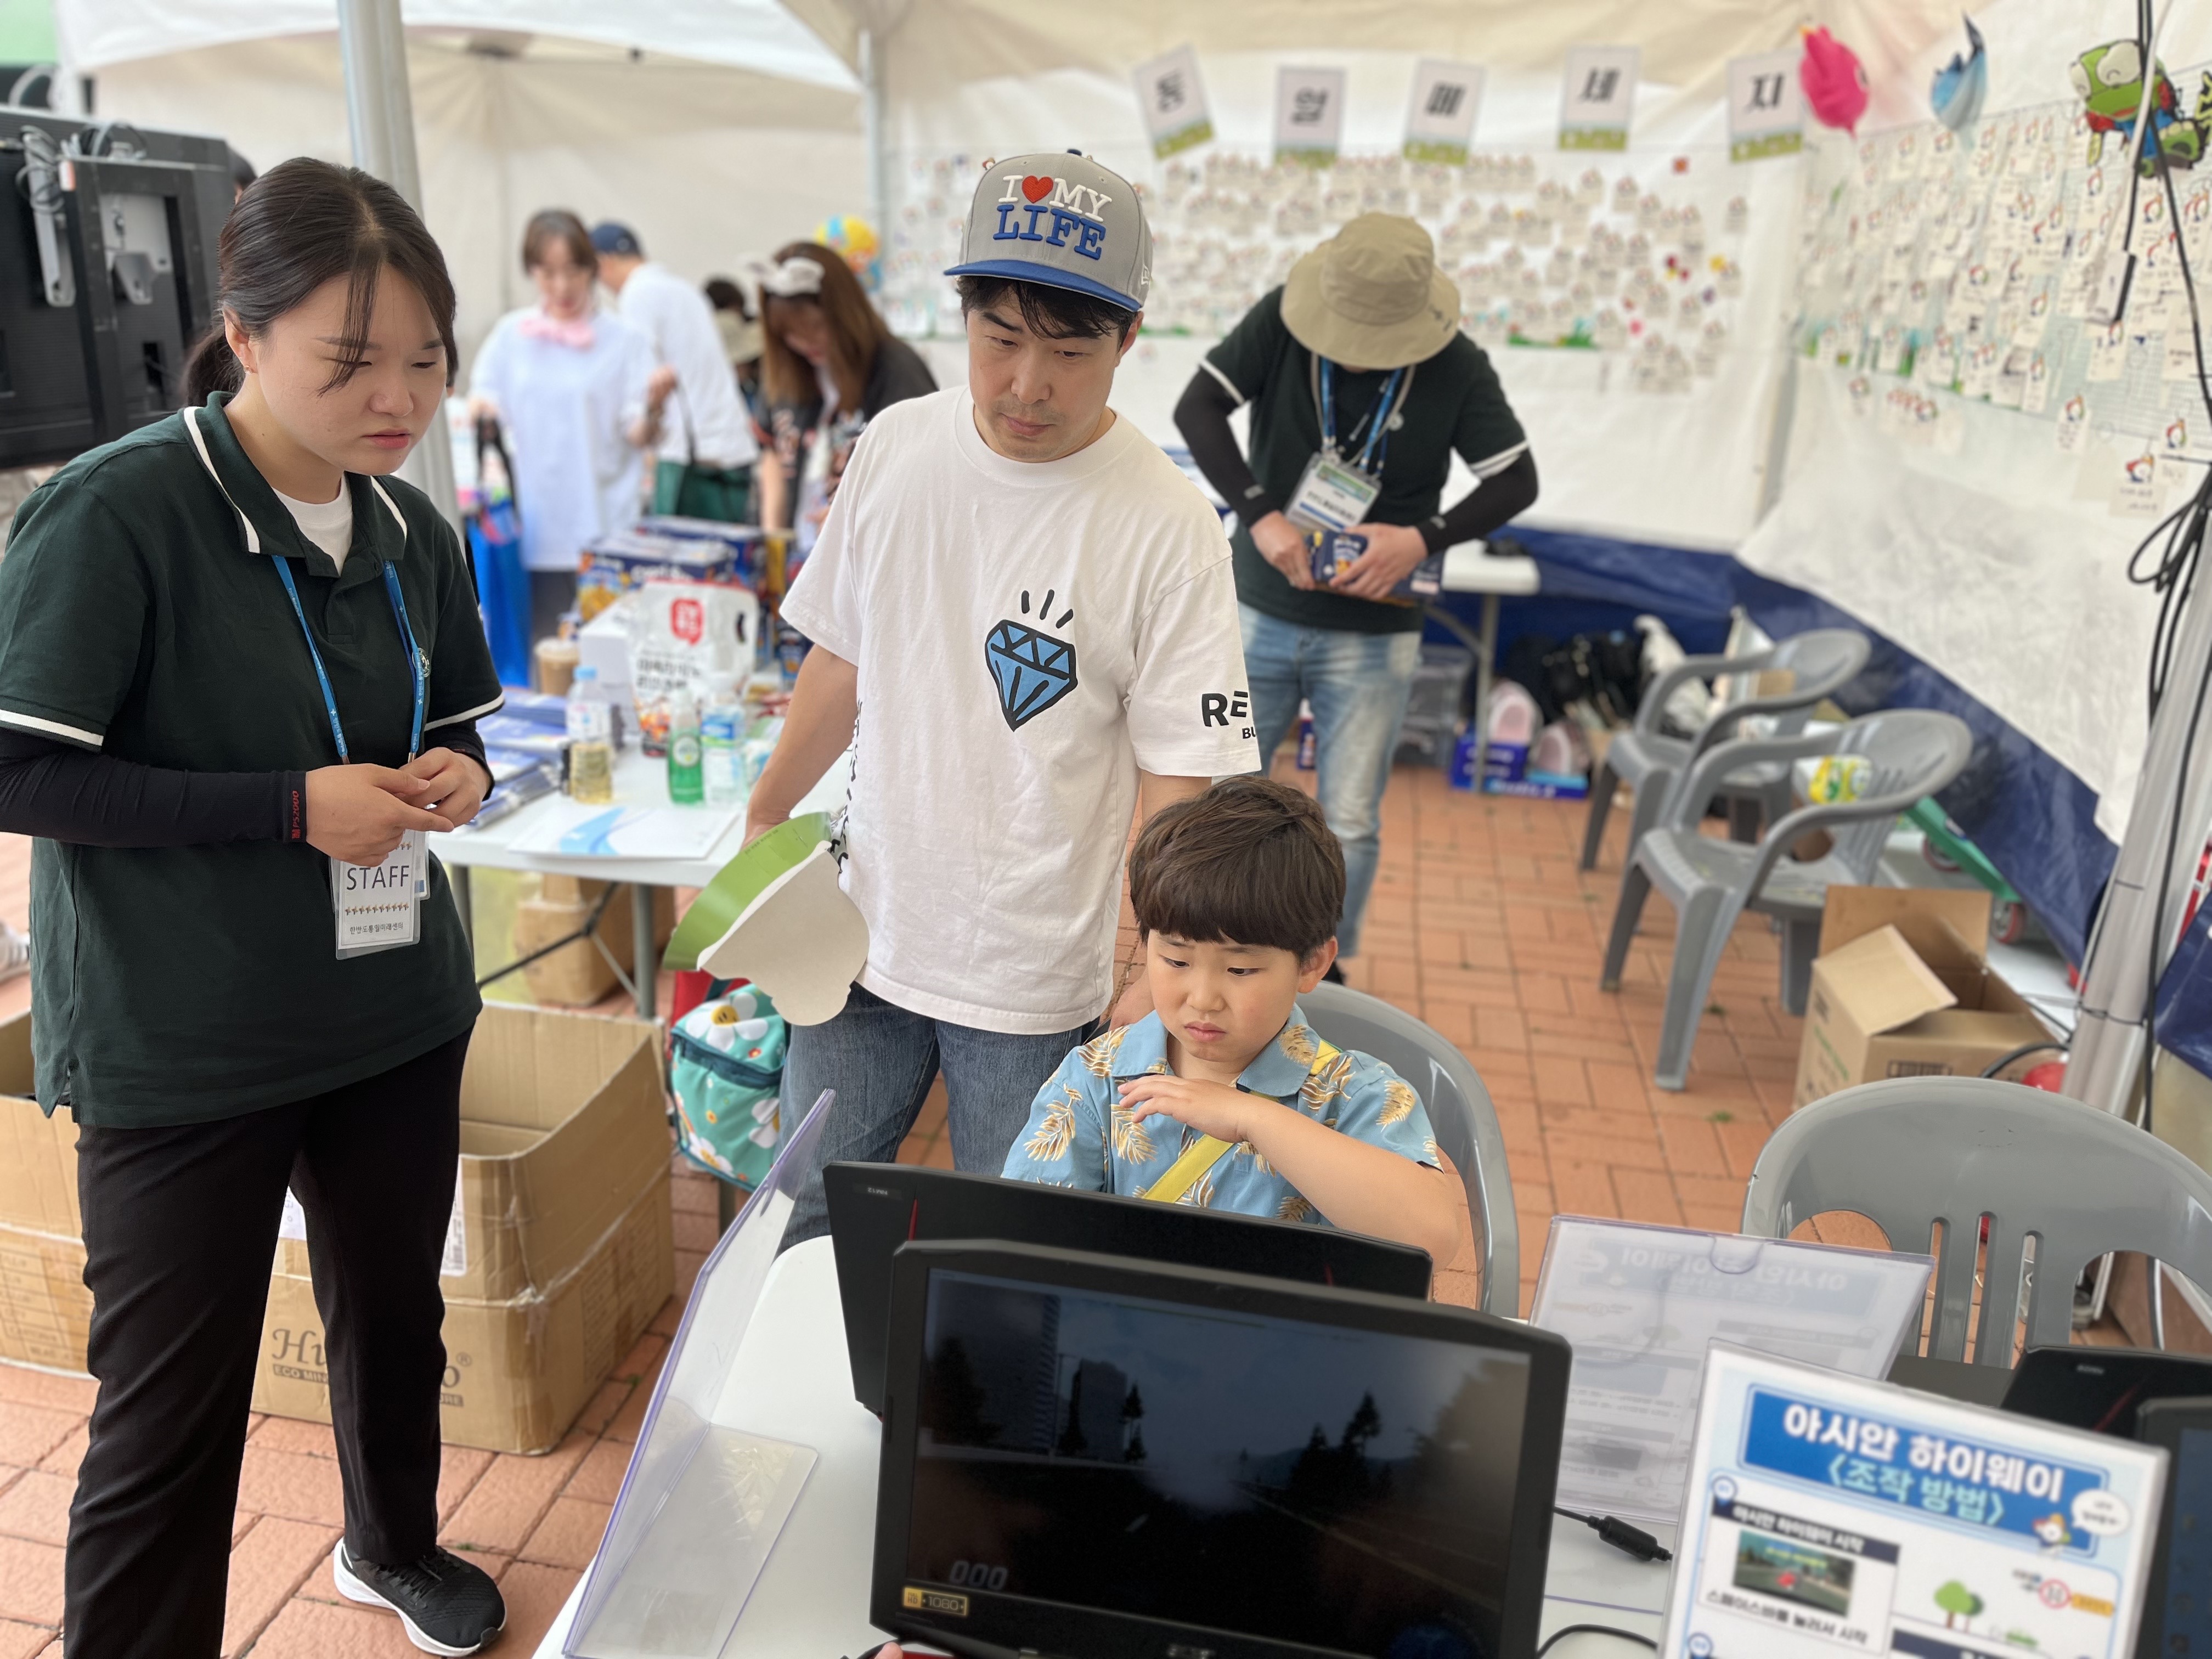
[1335, 551]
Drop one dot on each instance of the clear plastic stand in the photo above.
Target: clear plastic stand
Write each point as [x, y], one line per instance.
[1642, 1305]
[702, 1504]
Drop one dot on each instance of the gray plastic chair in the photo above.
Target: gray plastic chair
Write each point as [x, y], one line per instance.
[1824, 662]
[1459, 1110]
[1911, 752]
[1908, 1152]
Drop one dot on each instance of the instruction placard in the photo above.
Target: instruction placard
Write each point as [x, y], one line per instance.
[1642, 1304]
[1826, 1513]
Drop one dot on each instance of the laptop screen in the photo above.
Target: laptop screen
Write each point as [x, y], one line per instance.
[1343, 1489]
[2183, 1617]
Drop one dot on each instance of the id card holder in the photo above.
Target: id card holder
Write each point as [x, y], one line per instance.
[380, 907]
[1332, 494]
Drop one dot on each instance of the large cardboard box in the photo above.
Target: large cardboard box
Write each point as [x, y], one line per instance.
[44, 1309]
[1902, 988]
[559, 1252]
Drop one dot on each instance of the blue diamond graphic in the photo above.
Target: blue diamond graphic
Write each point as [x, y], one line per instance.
[1033, 671]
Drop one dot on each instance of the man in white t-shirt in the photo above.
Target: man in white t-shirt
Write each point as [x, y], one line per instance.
[1024, 618]
[707, 447]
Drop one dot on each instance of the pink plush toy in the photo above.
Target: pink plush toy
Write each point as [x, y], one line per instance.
[1835, 84]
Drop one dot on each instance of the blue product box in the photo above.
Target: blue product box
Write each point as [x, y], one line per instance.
[1335, 551]
[1506, 761]
[1539, 786]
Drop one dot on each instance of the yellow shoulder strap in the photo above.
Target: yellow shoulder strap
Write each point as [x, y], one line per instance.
[1207, 1151]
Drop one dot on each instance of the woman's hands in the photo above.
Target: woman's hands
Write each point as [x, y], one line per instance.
[459, 784]
[359, 813]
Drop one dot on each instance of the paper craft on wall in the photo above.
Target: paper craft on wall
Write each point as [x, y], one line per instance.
[1835, 83]
[2108, 80]
[1440, 121]
[777, 916]
[1766, 106]
[1174, 100]
[1598, 97]
[1960, 86]
[1309, 115]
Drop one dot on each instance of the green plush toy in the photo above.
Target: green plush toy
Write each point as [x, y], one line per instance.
[2108, 79]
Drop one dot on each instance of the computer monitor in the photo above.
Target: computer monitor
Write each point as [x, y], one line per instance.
[2101, 1390]
[1085, 1455]
[2178, 1609]
[876, 1207]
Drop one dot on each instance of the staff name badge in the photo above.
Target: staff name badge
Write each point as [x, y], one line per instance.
[380, 906]
[1174, 100]
[1597, 97]
[1766, 106]
[1332, 494]
[1440, 120]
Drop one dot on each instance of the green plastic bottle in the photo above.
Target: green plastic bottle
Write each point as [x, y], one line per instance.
[686, 784]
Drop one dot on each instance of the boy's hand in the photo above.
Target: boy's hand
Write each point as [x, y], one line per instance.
[1212, 1109]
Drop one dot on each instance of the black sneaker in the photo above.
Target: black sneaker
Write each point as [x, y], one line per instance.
[449, 1605]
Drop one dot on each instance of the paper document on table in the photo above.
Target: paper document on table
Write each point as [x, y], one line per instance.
[573, 829]
[1642, 1305]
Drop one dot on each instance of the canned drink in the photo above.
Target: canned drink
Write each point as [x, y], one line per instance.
[1307, 746]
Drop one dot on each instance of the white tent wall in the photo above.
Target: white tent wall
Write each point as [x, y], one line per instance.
[707, 162]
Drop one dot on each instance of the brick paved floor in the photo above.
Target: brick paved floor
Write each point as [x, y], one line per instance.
[1480, 925]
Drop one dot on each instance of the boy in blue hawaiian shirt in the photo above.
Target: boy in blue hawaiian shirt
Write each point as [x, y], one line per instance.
[1236, 894]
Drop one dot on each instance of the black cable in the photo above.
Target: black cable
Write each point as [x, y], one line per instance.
[1564, 1631]
[2020, 1052]
[1633, 1540]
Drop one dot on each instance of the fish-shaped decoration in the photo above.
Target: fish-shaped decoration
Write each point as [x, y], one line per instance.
[1960, 86]
[1835, 83]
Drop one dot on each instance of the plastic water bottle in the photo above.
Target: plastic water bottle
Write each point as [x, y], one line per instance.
[591, 739]
[686, 787]
[721, 728]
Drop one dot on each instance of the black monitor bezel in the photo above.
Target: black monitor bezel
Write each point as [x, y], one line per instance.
[1097, 1634]
[2161, 1423]
[2167, 1375]
[950, 1204]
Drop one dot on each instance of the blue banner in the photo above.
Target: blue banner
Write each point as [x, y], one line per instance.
[1962, 1480]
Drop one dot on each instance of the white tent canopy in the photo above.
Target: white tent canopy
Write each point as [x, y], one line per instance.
[713, 127]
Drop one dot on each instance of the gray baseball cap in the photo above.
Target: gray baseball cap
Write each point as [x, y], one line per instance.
[1059, 219]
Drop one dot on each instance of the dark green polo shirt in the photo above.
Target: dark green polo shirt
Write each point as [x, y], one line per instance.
[179, 984]
[1455, 402]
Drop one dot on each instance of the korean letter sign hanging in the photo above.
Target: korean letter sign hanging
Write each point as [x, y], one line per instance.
[1766, 106]
[1309, 115]
[1440, 122]
[1174, 100]
[1598, 97]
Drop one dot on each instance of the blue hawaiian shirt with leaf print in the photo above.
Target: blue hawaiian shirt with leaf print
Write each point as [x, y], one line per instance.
[1080, 1134]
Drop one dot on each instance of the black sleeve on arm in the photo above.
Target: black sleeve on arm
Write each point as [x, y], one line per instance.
[1493, 501]
[463, 739]
[62, 793]
[1202, 418]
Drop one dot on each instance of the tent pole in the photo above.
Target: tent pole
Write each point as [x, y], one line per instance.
[2117, 981]
[380, 117]
[873, 125]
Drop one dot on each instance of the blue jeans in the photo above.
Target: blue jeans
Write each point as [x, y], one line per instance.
[881, 1059]
[1359, 686]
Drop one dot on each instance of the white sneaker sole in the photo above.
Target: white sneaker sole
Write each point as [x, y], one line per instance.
[354, 1591]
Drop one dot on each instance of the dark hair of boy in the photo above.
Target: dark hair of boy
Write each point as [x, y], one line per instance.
[1054, 314]
[724, 294]
[1251, 861]
[553, 226]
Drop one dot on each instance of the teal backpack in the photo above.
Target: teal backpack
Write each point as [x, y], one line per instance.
[726, 1069]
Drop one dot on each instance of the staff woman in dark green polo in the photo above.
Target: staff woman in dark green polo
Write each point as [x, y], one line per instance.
[240, 672]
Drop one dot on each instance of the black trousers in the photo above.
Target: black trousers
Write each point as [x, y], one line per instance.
[179, 1229]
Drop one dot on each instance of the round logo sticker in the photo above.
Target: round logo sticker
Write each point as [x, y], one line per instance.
[2053, 1593]
[2101, 1513]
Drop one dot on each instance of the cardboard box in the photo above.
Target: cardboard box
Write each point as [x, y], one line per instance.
[561, 1251]
[559, 1254]
[44, 1309]
[577, 976]
[1901, 988]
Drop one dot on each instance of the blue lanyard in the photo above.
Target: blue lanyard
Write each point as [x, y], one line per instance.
[1379, 411]
[406, 638]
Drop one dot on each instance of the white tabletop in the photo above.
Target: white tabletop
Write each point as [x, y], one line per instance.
[1469, 569]
[641, 779]
[792, 1380]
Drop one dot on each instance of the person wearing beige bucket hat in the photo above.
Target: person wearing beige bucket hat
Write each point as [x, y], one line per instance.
[1362, 387]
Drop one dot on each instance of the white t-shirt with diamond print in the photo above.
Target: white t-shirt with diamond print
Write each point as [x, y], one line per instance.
[1030, 636]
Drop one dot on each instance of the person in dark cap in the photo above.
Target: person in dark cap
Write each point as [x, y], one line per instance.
[707, 452]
